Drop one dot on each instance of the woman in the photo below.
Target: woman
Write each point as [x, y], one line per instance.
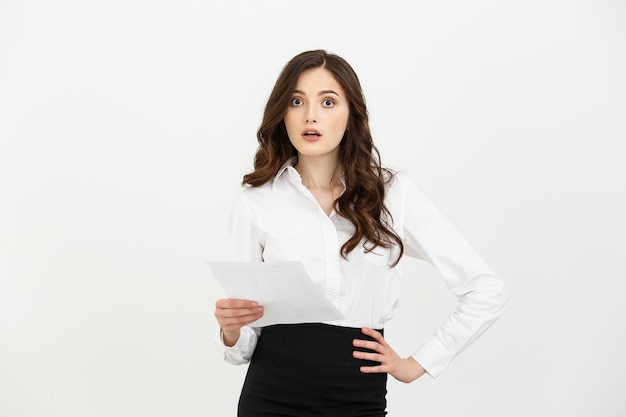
[319, 194]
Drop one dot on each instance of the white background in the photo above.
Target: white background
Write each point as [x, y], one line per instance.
[125, 128]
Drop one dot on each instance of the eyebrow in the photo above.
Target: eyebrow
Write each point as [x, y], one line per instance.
[321, 93]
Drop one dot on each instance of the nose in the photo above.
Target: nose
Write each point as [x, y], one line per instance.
[310, 115]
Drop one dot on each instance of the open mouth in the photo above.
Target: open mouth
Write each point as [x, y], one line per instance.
[311, 134]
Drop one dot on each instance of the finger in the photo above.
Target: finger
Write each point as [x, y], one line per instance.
[368, 344]
[374, 335]
[235, 303]
[237, 312]
[378, 369]
[368, 356]
[241, 318]
[238, 322]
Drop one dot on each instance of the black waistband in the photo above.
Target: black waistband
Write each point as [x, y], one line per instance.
[319, 343]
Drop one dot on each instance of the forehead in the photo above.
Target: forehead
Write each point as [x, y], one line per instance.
[317, 79]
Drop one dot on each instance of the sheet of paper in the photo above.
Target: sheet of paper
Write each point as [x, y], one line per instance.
[284, 289]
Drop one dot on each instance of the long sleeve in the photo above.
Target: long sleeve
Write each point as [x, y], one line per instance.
[244, 246]
[480, 292]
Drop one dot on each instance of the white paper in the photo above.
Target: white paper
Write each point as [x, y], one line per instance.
[284, 289]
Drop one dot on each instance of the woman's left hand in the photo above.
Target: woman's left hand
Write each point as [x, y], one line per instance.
[403, 369]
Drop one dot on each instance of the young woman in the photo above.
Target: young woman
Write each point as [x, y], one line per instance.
[319, 194]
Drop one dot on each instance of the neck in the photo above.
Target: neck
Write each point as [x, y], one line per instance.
[319, 172]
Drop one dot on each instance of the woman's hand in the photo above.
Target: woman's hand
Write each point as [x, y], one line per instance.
[233, 314]
[403, 369]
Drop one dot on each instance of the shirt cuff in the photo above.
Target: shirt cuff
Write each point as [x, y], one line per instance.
[241, 351]
[433, 356]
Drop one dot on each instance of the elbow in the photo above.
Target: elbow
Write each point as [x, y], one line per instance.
[499, 296]
[490, 293]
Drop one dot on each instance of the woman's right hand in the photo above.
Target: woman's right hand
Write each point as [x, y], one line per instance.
[233, 314]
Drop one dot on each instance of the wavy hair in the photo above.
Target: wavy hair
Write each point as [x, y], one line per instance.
[362, 202]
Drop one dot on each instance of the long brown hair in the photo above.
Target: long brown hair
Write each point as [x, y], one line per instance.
[362, 203]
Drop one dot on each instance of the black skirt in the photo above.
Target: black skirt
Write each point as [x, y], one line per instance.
[303, 370]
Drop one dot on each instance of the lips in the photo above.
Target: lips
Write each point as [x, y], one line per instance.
[311, 135]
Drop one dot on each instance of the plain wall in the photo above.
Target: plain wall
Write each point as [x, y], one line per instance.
[125, 128]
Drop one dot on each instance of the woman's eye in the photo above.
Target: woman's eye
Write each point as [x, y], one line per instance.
[328, 103]
[296, 102]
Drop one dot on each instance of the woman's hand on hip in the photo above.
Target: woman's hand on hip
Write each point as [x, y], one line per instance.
[232, 315]
[403, 369]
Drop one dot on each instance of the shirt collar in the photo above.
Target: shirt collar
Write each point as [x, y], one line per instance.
[289, 164]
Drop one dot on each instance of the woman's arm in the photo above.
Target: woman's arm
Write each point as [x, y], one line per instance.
[403, 369]
[236, 340]
[481, 294]
[232, 315]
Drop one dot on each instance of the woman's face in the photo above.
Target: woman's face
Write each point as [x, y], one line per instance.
[317, 115]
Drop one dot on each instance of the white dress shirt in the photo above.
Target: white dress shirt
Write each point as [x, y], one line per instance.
[282, 221]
